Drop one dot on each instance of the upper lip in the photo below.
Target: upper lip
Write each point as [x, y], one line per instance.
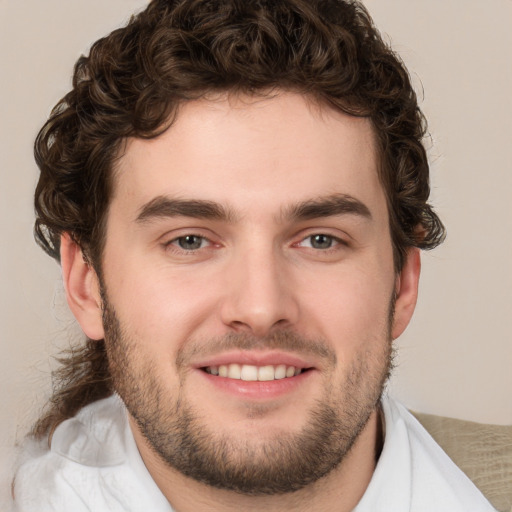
[254, 358]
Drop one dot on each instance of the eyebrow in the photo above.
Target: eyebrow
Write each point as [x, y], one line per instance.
[162, 207]
[329, 206]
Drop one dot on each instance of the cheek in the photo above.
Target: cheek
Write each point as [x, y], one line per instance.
[159, 306]
[352, 309]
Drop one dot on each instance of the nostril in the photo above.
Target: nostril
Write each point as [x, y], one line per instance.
[240, 327]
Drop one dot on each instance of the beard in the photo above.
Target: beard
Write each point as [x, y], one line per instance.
[253, 466]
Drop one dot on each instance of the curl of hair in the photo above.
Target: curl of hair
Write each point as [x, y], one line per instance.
[132, 83]
[82, 378]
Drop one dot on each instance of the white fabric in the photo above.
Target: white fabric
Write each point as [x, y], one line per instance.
[94, 466]
[414, 474]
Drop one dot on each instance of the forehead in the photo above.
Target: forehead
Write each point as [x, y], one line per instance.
[241, 150]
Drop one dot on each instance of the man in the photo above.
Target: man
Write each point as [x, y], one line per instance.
[237, 193]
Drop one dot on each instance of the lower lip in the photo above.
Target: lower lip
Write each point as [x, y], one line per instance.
[258, 389]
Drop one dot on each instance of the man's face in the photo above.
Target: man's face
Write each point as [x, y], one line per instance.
[248, 287]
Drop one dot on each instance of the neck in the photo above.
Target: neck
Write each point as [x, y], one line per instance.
[338, 491]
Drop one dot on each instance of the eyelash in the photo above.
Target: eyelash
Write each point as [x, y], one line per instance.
[334, 243]
[175, 243]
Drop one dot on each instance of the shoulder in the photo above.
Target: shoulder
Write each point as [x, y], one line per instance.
[56, 476]
[415, 471]
[92, 465]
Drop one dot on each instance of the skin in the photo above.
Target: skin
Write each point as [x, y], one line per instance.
[257, 272]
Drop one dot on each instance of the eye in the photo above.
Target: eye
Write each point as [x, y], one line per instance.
[190, 242]
[320, 241]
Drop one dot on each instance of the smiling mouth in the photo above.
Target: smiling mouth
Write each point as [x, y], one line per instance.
[253, 373]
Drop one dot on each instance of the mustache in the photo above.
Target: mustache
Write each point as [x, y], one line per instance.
[282, 340]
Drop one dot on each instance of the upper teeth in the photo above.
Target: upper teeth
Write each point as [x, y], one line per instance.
[253, 373]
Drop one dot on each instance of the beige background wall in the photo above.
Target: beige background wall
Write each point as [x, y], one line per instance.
[456, 357]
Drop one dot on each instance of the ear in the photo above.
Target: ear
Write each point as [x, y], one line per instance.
[406, 290]
[82, 288]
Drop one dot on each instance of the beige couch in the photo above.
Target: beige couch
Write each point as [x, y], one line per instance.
[483, 452]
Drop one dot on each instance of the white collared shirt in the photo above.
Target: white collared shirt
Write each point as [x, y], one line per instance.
[94, 466]
[414, 474]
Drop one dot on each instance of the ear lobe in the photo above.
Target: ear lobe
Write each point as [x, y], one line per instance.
[406, 289]
[82, 288]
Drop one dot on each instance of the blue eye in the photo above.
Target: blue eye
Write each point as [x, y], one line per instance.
[190, 242]
[320, 241]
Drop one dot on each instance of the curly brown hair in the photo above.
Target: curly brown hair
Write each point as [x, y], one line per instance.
[134, 80]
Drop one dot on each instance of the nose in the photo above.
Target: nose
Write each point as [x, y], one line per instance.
[259, 296]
